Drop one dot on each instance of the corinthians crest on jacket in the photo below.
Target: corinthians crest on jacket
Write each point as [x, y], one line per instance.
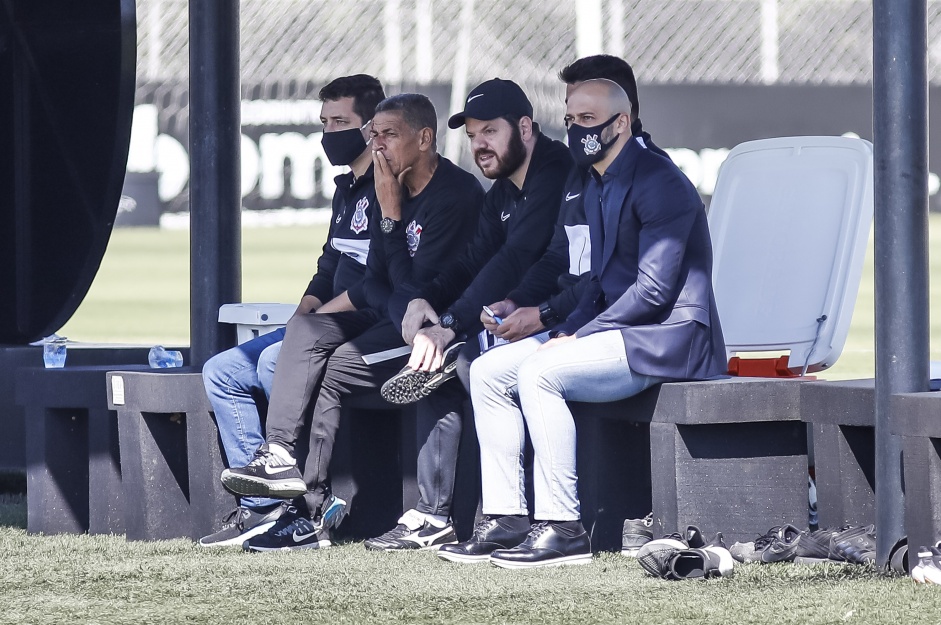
[413, 237]
[360, 219]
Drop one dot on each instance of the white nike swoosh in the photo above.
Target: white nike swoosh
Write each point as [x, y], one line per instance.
[301, 537]
[503, 217]
[569, 197]
[271, 471]
[474, 97]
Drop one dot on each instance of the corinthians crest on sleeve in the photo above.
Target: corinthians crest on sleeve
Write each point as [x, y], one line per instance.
[360, 220]
[592, 145]
[413, 237]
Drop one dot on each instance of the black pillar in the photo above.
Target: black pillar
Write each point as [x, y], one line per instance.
[215, 193]
[900, 132]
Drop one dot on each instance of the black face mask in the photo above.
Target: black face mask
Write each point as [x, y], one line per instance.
[586, 145]
[343, 146]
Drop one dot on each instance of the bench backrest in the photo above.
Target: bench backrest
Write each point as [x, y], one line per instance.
[790, 220]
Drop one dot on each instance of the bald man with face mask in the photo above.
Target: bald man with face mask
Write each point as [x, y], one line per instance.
[647, 316]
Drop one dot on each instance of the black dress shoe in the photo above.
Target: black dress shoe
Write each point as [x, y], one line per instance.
[549, 544]
[490, 534]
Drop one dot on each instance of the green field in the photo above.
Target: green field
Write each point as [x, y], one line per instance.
[141, 294]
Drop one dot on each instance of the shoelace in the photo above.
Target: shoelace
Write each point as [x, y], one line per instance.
[234, 518]
[264, 457]
[482, 526]
[538, 530]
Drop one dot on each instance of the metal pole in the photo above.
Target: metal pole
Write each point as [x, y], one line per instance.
[900, 132]
[215, 197]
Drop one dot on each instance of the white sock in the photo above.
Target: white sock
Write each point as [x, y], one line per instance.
[282, 453]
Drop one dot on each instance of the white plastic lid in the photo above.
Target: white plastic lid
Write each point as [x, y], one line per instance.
[790, 221]
[256, 314]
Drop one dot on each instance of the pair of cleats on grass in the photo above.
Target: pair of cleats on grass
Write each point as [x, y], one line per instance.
[410, 385]
[686, 556]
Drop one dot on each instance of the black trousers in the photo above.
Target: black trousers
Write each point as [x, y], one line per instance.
[319, 365]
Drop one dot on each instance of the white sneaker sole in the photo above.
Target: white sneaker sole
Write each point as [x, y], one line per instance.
[323, 544]
[237, 541]
[462, 558]
[584, 558]
[248, 486]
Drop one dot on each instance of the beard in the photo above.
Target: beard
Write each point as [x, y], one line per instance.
[508, 162]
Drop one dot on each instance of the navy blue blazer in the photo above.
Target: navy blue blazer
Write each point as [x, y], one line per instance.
[651, 269]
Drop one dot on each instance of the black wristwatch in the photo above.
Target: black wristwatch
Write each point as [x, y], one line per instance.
[548, 317]
[388, 225]
[448, 321]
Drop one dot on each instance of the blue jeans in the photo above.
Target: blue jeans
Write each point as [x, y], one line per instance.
[516, 384]
[231, 379]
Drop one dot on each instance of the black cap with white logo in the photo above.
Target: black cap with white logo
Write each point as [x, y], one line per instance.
[492, 99]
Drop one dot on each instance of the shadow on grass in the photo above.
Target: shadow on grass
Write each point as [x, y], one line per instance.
[13, 511]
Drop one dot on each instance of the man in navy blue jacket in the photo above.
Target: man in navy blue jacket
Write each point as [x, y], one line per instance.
[646, 316]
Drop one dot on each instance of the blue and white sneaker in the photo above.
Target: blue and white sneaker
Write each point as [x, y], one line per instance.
[295, 531]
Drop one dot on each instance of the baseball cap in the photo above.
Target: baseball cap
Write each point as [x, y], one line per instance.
[492, 99]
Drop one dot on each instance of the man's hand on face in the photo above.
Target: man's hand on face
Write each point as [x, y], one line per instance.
[521, 323]
[559, 340]
[418, 312]
[428, 348]
[388, 186]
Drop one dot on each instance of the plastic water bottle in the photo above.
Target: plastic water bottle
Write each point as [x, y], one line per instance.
[160, 358]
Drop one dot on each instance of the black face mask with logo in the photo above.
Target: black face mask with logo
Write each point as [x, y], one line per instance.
[343, 146]
[586, 145]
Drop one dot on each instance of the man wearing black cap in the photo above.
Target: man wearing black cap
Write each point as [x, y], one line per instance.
[517, 221]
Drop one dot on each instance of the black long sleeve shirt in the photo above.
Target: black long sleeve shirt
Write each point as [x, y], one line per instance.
[434, 224]
[514, 229]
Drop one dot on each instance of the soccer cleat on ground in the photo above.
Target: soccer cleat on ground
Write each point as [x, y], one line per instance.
[779, 544]
[414, 531]
[410, 385]
[490, 534]
[635, 534]
[242, 524]
[654, 557]
[295, 531]
[713, 560]
[548, 544]
[814, 547]
[269, 474]
[856, 545]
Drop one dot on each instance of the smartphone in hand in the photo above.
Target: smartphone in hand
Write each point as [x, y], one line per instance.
[490, 314]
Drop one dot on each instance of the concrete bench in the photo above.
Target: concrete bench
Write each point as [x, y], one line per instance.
[72, 454]
[916, 417]
[842, 416]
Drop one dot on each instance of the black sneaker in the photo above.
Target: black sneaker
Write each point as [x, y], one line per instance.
[779, 544]
[267, 475]
[490, 534]
[295, 531]
[414, 531]
[548, 544]
[636, 533]
[654, 557]
[242, 524]
[713, 560]
[856, 545]
[814, 547]
[410, 385]
[898, 557]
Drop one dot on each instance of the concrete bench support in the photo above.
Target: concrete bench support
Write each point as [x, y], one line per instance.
[73, 459]
[730, 456]
[842, 417]
[917, 418]
[171, 457]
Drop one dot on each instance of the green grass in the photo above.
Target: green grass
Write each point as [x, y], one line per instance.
[141, 294]
[96, 579]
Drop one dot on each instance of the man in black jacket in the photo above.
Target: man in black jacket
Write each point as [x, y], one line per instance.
[515, 226]
[551, 288]
[235, 377]
[427, 207]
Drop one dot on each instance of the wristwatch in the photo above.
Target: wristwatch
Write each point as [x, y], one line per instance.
[548, 317]
[448, 321]
[388, 225]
